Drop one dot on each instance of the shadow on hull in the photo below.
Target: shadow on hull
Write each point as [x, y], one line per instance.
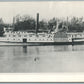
[39, 43]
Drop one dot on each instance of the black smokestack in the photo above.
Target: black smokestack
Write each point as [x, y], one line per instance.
[37, 24]
[13, 22]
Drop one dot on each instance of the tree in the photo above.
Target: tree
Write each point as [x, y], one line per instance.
[1, 27]
[24, 23]
[52, 24]
[43, 25]
[76, 25]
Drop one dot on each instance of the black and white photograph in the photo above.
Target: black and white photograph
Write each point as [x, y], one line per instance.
[42, 37]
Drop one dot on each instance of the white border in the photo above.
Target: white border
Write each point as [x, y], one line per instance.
[43, 77]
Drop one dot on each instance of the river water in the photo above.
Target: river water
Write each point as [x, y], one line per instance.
[37, 59]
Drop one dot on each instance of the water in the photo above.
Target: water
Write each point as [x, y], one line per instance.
[37, 59]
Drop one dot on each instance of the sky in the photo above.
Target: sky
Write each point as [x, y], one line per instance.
[46, 9]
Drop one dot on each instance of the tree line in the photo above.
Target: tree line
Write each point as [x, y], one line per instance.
[73, 24]
[26, 23]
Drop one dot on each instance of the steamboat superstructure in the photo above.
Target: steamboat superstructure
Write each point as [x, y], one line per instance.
[34, 39]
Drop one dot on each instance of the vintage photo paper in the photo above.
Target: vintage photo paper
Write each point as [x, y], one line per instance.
[42, 41]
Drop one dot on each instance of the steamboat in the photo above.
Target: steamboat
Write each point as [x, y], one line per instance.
[30, 38]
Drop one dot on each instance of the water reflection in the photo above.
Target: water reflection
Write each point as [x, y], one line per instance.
[24, 49]
[63, 48]
[35, 50]
[40, 49]
[58, 58]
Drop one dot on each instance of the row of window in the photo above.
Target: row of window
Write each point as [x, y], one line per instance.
[21, 35]
[18, 32]
[27, 33]
[76, 35]
[34, 39]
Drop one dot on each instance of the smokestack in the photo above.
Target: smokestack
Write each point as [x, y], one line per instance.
[13, 22]
[37, 23]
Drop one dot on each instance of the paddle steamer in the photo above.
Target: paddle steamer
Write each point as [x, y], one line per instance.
[30, 38]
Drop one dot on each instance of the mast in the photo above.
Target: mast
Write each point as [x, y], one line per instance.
[37, 23]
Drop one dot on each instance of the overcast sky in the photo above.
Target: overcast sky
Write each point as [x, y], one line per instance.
[46, 10]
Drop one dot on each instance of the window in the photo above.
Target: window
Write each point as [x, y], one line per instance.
[25, 35]
[13, 35]
[80, 34]
[75, 35]
[30, 35]
[43, 35]
[19, 35]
